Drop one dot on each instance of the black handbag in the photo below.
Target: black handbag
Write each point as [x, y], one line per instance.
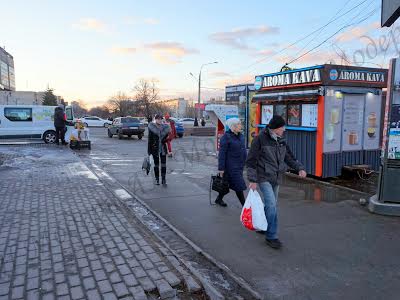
[218, 184]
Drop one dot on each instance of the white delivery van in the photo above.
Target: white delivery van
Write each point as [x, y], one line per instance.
[30, 121]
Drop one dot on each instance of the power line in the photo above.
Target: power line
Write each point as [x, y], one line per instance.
[322, 29]
[303, 38]
[335, 33]
[327, 39]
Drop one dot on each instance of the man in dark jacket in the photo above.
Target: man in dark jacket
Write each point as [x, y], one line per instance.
[59, 124]
[267, 161]
[158, 135]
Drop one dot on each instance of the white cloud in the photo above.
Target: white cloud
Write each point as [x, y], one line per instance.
[123, 50]
[237, 38]
[169, 52]
[91, 24]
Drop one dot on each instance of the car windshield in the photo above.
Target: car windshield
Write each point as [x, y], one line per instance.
[130, 120]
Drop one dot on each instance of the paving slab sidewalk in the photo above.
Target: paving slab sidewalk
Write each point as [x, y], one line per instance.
[64, 236]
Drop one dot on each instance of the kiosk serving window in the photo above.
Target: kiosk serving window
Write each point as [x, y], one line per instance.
[298, 115]
[281, 110]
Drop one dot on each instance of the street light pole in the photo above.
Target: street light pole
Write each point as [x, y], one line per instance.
[197, 115]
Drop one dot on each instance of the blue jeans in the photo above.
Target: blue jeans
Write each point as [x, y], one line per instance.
[270, 194]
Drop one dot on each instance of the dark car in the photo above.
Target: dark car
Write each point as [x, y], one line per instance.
[180, 130]
[126, 126]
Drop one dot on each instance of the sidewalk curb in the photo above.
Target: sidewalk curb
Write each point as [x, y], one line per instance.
[240, 281]
[211, 291]
[315, 181]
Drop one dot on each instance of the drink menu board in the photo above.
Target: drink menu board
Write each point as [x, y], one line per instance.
[353, 122]
[309, 115]
[267, 112]
[293, 115]
[372, 125]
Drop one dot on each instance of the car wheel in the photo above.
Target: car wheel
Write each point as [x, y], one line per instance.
[106, 125]
[120, 135]
[49, 137]
[140, 136]
[110, 135]
[86, 124]
[129, 135]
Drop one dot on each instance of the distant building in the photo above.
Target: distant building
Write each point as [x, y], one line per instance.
[7, 73]
[177, 106]
[23, 98]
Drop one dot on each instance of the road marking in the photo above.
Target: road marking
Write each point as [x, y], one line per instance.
[102, 174]
[121, 160]
[122, 194]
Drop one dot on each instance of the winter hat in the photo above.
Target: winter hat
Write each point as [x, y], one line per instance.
[276, 122]
[158, 116]
[166, 116]
[232, 122]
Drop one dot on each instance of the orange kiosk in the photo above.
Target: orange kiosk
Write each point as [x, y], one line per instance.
[333, 114]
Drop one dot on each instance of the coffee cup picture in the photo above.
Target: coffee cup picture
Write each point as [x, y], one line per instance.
[330, 132]
[335, 115]
[372, 120]
[371, 132]
[353, 138]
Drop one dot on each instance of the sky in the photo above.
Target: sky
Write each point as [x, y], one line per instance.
[91, 50]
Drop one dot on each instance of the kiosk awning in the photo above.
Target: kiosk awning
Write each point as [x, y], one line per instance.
[288, 95]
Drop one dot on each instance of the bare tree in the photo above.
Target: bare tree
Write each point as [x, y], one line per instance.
[120, 105]
[146, 96]
[100, 111]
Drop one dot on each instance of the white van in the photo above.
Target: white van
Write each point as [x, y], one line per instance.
[30, 121]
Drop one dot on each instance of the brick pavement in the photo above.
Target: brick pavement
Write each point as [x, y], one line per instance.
[64, 236]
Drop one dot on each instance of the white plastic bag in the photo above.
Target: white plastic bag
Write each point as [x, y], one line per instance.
[253, 215]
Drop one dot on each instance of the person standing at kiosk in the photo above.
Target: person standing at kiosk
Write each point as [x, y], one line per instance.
[266, 163]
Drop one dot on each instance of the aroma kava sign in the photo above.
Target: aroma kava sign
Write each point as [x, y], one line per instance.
[350, 75]
[297, 77]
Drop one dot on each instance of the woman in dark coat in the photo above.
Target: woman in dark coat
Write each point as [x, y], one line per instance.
[158, 135]
[231, 160]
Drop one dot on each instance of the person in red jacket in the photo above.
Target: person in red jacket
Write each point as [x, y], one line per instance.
[172, 134]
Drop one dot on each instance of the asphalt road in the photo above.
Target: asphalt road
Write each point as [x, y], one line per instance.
[333, 248]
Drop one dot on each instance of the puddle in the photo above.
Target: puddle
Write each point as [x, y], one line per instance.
[319, 192]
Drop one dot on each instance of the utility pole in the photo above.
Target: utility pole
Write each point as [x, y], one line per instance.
[197, 111]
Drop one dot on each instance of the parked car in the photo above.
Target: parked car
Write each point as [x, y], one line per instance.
[31, 121]
[93, 121]
[187, 121]
[126, 126]
[180, 130]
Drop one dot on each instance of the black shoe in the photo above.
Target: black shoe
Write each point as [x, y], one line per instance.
[221, 202]
[261, 231]
[274, 243]
[64, 143]
[163, 181]
[157, 181]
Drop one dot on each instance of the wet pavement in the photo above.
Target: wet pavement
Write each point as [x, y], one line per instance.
[333, 247]
[64, 235]
[360, 182]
